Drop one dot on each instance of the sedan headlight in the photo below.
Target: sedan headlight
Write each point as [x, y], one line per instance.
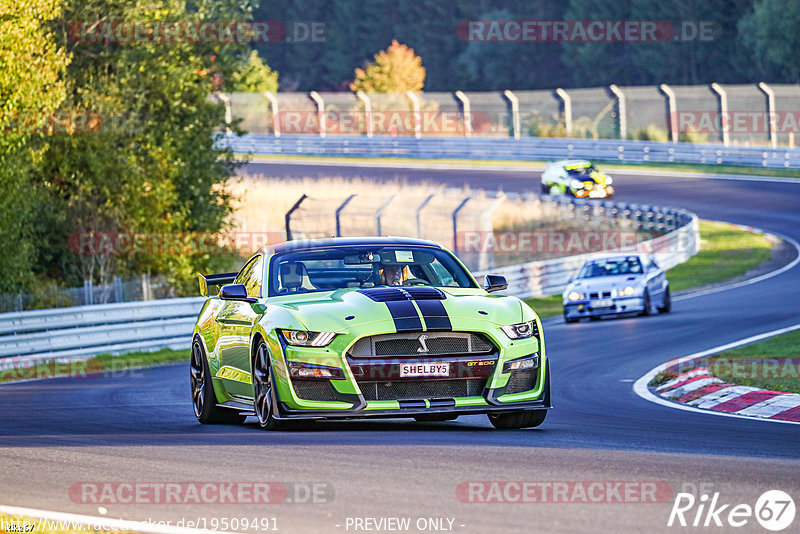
[628, 291]
[576, 184]
[574, 295]
[519, 331]
[303, 338]
[609, 181]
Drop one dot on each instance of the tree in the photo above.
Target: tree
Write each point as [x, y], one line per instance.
[770, 34]
[255, 76]
[394, 70]
[27, 103]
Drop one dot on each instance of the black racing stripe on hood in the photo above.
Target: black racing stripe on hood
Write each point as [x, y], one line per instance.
[405, 315]
[395, 293]
[435, 315]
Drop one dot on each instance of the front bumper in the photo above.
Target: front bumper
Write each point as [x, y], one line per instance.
[372, 388]
[488, 402]
[589, 308]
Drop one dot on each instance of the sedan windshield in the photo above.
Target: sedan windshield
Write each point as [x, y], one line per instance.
[611, 267]
[305, 271]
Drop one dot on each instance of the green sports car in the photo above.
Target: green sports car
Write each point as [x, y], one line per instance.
[365, 327]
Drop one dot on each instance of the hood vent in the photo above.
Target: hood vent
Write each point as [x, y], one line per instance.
[389, 294]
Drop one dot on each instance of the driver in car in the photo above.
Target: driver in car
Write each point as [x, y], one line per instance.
[392, 274]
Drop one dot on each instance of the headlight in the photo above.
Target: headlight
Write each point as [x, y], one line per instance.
[302, 338]
[628, 291]
[609, 181]
[519, 331]
[576, 184]
[574, 295]
[521, 364]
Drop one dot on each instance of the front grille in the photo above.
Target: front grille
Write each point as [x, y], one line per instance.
[520, 381]
[413, 344]
[316, 390]
[604, 294]
[423, 389]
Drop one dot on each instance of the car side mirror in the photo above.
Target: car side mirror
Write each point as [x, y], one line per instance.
[494, 282]
[235, 292]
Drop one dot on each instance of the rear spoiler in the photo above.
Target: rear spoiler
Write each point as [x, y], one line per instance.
[214, 280]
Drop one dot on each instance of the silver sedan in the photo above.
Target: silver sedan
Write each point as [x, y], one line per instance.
[617, 284]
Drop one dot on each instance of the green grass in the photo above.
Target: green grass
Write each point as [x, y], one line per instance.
[98, 364]
[772, 364]
[726, 253]
[604, 165]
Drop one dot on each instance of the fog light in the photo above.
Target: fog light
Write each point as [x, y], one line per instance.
[304, 370]
[522, 364]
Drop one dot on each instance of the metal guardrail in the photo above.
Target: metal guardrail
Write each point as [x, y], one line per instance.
[84, 331]
[523, 149]
[550, 277]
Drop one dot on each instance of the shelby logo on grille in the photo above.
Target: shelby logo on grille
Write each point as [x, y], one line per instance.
[423, 347]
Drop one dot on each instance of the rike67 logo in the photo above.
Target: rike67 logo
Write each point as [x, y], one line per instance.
[774, 510]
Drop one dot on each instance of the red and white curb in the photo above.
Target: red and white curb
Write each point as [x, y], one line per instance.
[697, 390]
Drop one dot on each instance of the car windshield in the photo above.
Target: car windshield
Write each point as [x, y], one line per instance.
[327, 269]
[581, 171]
[611, 267]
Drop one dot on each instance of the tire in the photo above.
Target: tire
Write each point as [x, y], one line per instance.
[667, 307]
[263, 394]
[204, 400]
[518, 419]
[648, 309]
[545, 190]
[555, 190]
[435, 417]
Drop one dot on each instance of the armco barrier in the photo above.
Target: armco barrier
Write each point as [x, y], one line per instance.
[523, 149]
[84, 331]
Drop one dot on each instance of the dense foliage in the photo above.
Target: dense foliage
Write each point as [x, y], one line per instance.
[750, 39]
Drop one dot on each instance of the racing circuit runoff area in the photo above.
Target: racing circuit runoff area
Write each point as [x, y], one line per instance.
[605, 460]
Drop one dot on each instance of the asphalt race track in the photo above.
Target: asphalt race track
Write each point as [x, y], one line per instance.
[140, 426]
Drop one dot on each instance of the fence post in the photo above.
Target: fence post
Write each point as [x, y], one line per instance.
[288, 217]
[455, 223]
[514, 101]
[724, 121]
[771, 113]
[367, 111]
[672, 109]
[418, 214]
[567, 103]
[417, 118]
[273, 102]
[317, 98]
[621, 110]
[467, 113]
[87, 292]
[380, 211]
[338, 212]
[222, 97]
[117, 289]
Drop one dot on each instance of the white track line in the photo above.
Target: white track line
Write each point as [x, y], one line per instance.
[100, 523]
[641, 389]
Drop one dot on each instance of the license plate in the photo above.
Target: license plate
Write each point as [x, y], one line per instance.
[603, 303]
[424, 369]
